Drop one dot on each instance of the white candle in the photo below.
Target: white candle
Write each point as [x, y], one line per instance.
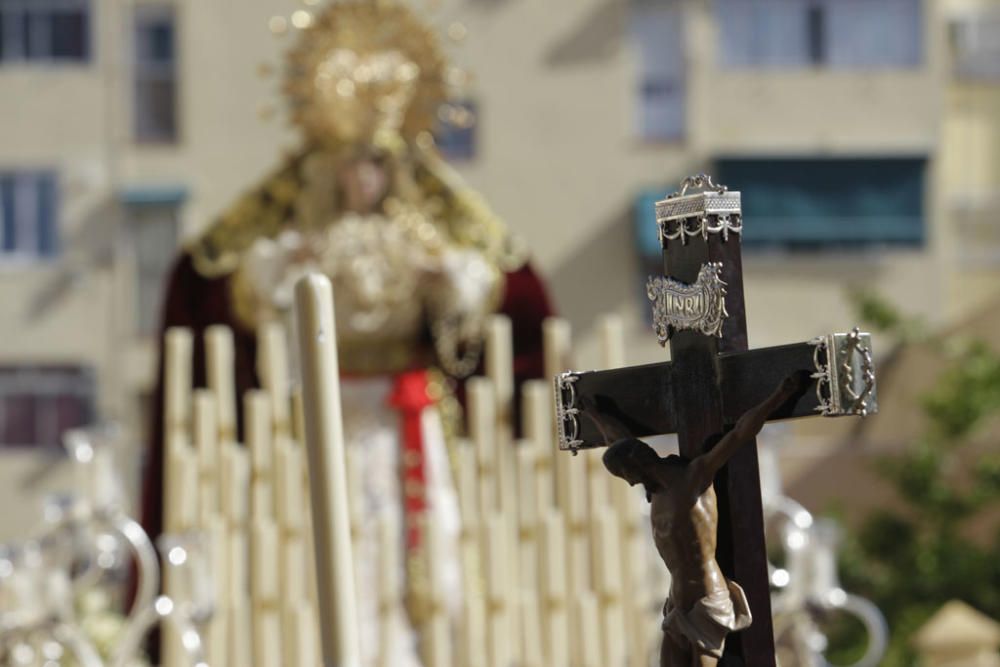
[437, 632]
[553, 586]
[177, 364]
[500, 364]
[288, 485]
[238, 567]
[575, 512]
[536, 413]
[173, 653]
[608, 584]
[482, 429]
[612, 331]
[293, 568]
[569, 473]
[588, 624]
[531, 631]
[289, 639]
[354, 462]
[235, 483]
[185, 463]
[612, 341]
[472, 630]
[538, 426]
[471, 556]
[221, 372]
[105, 485]
[218, 537]
[298, 427]
[556, 343]
[303, 637]
[266, 638]
[272, 367]
[325, 446]
[218, 640]
[468, 496]
[258, 432]
[389, 576]
[206, 441]
[598, 496]
[264, 574]
[528, 508]
[173, 450]
[498, 608]
[500, 369]
[240, 632]
[636, 560]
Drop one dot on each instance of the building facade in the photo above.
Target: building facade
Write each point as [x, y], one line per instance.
[863, 134]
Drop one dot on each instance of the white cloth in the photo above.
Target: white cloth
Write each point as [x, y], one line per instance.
[371, 430]
[713, 617]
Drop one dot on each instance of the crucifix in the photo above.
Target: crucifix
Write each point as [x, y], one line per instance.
[712, 381]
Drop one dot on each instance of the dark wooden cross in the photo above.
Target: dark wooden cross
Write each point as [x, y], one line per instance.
[712, 380]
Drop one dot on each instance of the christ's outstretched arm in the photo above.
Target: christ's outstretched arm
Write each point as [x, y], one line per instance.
[747, 427]
[611, 428]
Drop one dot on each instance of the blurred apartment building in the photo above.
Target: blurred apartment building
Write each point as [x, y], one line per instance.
[865, 135]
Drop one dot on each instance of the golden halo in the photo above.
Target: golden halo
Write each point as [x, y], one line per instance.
[366, 28]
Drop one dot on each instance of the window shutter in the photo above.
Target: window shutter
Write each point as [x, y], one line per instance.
[8, 240]
[47, 233]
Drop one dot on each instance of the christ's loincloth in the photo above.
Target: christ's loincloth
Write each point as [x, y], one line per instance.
[706, 625]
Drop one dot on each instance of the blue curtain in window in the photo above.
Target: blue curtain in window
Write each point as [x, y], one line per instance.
[801, 202]
[47, 206]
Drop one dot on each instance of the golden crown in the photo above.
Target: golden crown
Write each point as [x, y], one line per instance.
[363, 69]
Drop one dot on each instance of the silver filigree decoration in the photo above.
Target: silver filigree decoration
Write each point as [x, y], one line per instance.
[677, 306]
[714, 210]
[703, 181]
[567, 413]
[845, 374]
[703, 203]
[686, 228]
[822, 375]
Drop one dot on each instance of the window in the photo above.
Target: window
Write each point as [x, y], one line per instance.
[39, 403]
[28, 205]
[819, 202]
[975, 45]
[657, 31]
[455, 134]
[646, 231]
[44, 30]
[155, 74]
[154, 228]
[828, 33]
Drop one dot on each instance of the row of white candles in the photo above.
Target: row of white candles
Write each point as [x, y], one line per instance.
[554, 568]
[574, 590]
[249, 503]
